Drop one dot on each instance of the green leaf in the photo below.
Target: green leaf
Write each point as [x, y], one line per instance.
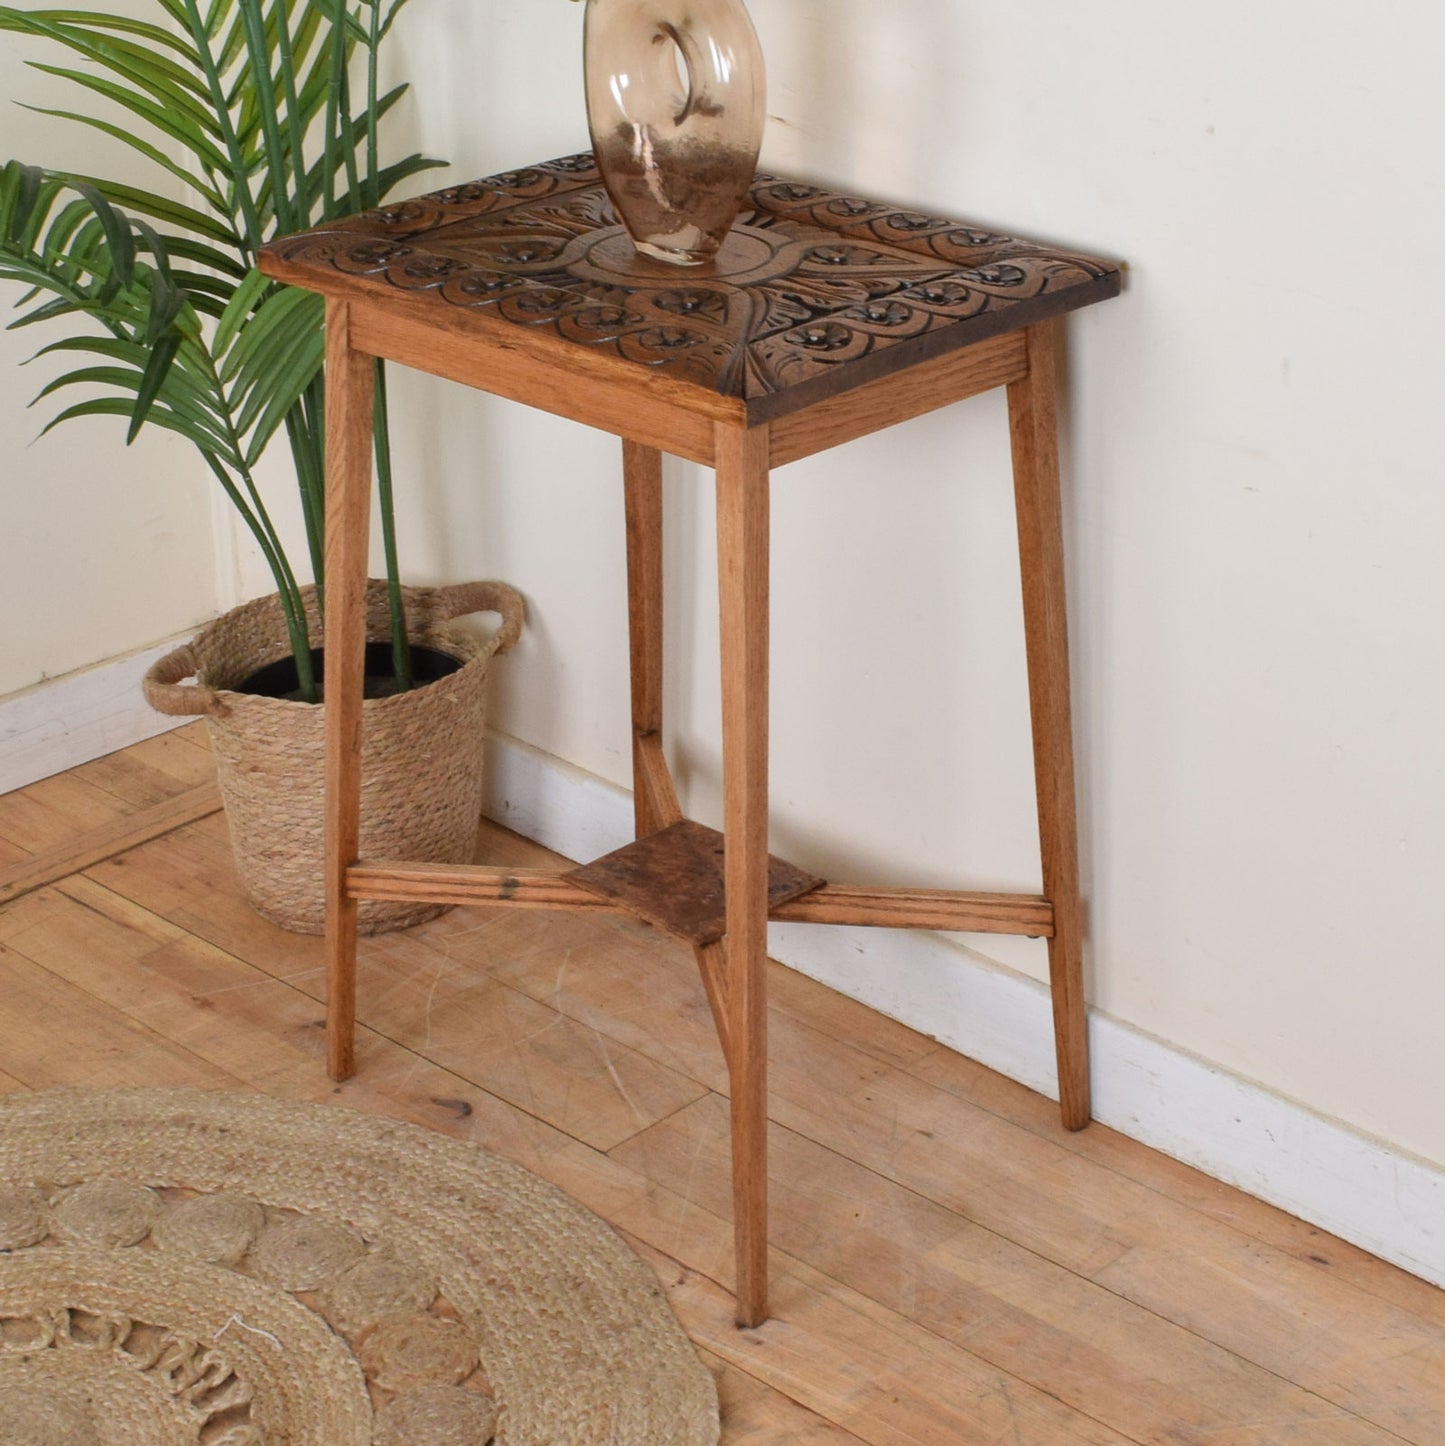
[237, 171]
[245, 296]
[392, 176]
[159, 417]
[65, 227]
[281, 349]
[286, 388]
[60, 306]
[160, 208]
[178, 127]
[226, 262]
[184, 403]
[163, 353]
[22, 189]
[249, 105]
[185, 382]
[156, 34]
[117, 231]
[193, 178]
[288, 309]
[156, 74]
[391, 16]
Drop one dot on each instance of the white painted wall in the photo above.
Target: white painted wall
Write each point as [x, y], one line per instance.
[1254, 507]
[103, 548]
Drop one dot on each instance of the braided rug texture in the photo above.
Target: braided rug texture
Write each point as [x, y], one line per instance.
[215, 1269]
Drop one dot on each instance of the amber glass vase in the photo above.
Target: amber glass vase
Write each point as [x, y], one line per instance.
[676, 102]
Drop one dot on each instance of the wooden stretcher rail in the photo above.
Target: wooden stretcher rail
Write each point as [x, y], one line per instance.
[655, 779]
[965, 913]
[484, 884]
[471, 884]
[712, 965]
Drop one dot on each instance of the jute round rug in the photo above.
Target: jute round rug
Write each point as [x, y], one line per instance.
[185, 1268]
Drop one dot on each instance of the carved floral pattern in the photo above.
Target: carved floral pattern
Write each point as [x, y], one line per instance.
[832, 279]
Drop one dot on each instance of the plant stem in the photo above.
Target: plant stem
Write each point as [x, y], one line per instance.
[372, 164]
[293, 608]
[293, 115]
[304, 456]
[258, 52]
[241, 190]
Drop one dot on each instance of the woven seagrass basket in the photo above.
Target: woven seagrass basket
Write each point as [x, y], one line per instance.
[421, 775]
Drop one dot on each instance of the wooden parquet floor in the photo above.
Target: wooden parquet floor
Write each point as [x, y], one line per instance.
[949, 1265]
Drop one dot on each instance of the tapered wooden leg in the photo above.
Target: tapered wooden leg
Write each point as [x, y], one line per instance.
[642, 484]
[1033, 426]
[742, 543]
[654, 797]
[349, 400]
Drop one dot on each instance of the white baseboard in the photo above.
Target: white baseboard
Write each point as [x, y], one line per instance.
[69, 720]
[1380, 1198]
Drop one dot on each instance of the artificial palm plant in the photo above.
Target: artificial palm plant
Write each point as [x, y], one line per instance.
[266, 114]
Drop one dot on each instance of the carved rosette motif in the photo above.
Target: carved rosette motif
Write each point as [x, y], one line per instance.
[810, 281]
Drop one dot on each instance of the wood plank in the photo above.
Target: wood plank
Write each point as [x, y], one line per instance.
[753, 1414]
[899, 397]
[155, 769]
[1105, 1357]
[71, 1038]
[422, 998]
[894, 908]
[105, 841]
[477, 884]
[270, 1030]
[49, 813]
[350, 398]
[1143, 1246]
[867, 1369]
[1363, 1356]
[984, 1089]
[851, 1224]
[189, 878]
[638, 987]
[508, 361]
[1033, 432]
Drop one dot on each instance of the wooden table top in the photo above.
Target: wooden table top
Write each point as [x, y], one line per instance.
[813, 293]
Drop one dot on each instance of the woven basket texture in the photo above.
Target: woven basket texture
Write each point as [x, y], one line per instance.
[421, 776]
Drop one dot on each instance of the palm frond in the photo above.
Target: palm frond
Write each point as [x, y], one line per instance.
[250, 105]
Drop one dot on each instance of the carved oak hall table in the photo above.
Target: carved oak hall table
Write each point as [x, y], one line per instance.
[824, 318]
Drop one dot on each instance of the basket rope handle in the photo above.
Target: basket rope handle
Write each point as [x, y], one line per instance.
[163, 690]
[462, 598]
